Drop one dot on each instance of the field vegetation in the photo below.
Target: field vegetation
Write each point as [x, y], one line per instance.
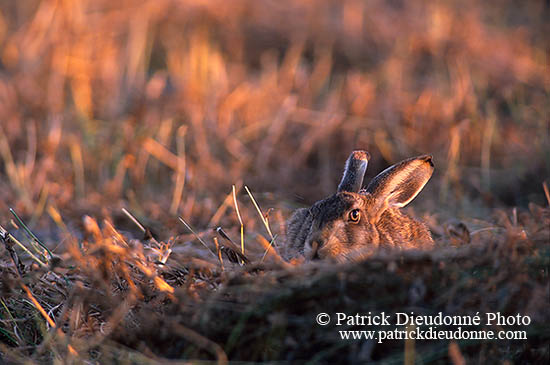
[146, 145]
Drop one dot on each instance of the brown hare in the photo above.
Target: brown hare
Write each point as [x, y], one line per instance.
[343, 225]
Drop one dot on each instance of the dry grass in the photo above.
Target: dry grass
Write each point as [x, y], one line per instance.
[160, 106]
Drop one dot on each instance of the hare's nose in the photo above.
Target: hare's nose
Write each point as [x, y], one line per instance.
[315, 246]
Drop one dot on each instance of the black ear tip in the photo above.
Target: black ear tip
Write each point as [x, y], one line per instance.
[360, 155]
[428, 159]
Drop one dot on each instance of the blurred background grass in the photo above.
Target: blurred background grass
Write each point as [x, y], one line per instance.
[161, 105]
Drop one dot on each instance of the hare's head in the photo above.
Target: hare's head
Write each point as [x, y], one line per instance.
[351, 219]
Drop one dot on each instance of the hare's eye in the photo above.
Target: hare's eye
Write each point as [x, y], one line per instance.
[355, 215]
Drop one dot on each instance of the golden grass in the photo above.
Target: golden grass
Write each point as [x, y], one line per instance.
[158, 107]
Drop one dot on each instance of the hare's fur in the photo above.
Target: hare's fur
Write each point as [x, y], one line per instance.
[326, 231]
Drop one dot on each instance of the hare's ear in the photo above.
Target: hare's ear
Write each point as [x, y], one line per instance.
[396, 186]
[356, 165]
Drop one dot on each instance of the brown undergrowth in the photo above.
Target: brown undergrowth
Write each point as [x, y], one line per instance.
[125, 299]
[124, 125]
